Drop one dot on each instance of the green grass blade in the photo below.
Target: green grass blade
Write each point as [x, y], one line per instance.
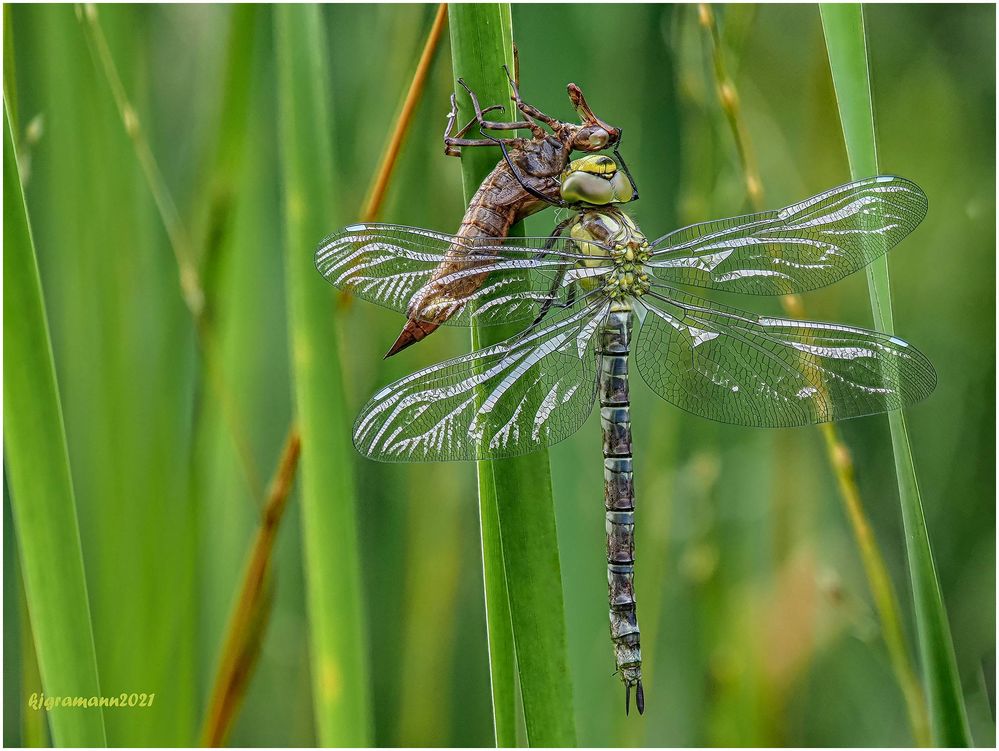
[329, 524]
[42, 501]
[123, 346]
[9, 79]
[519, 547]
[223, 178]
[839, 455]
[476, 164]
[846, 43]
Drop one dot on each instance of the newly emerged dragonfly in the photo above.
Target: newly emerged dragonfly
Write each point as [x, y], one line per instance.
[578, 295]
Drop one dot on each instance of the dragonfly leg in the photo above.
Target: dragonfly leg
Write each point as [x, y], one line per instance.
[530, 111]
[453, 141]
[453, 146]
[557, 281]
[468, 126]
[491, 124]
[570, 299]
[527, 111]
[453, 116]
[556, 233]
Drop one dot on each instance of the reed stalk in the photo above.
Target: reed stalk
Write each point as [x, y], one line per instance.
[41, 485]
[837, 452]
[521, 569]
[846, 43]
[331, 556]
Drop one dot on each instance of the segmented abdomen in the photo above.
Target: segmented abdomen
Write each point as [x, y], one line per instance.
[619, 497]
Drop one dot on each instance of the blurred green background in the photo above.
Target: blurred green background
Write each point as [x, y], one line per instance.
[757, 623]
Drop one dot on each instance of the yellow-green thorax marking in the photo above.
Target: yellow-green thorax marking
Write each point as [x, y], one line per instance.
[593, 183]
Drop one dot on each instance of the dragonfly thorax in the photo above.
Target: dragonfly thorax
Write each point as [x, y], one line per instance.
[608, 234]
[627, 280]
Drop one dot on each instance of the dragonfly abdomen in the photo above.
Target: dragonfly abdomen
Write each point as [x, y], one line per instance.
[619, 498]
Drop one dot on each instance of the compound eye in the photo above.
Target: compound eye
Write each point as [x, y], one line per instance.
[598, 138]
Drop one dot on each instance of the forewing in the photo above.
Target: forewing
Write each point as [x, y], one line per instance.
[483, 282]
[515, 397]
[798, 248]
[736, 367]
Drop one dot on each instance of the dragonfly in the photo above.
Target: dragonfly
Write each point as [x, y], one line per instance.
[578, 293]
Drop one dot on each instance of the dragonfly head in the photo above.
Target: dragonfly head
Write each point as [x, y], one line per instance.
[593, 134]
[595, 180]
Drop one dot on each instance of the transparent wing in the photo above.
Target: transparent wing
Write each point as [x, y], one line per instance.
[515, 397]
[795, 249]
[447, 279]
[736, 367]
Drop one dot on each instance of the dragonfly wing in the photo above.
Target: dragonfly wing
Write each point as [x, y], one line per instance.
[805, 246]
[512, 398]
[736, 367]
[475, 282]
